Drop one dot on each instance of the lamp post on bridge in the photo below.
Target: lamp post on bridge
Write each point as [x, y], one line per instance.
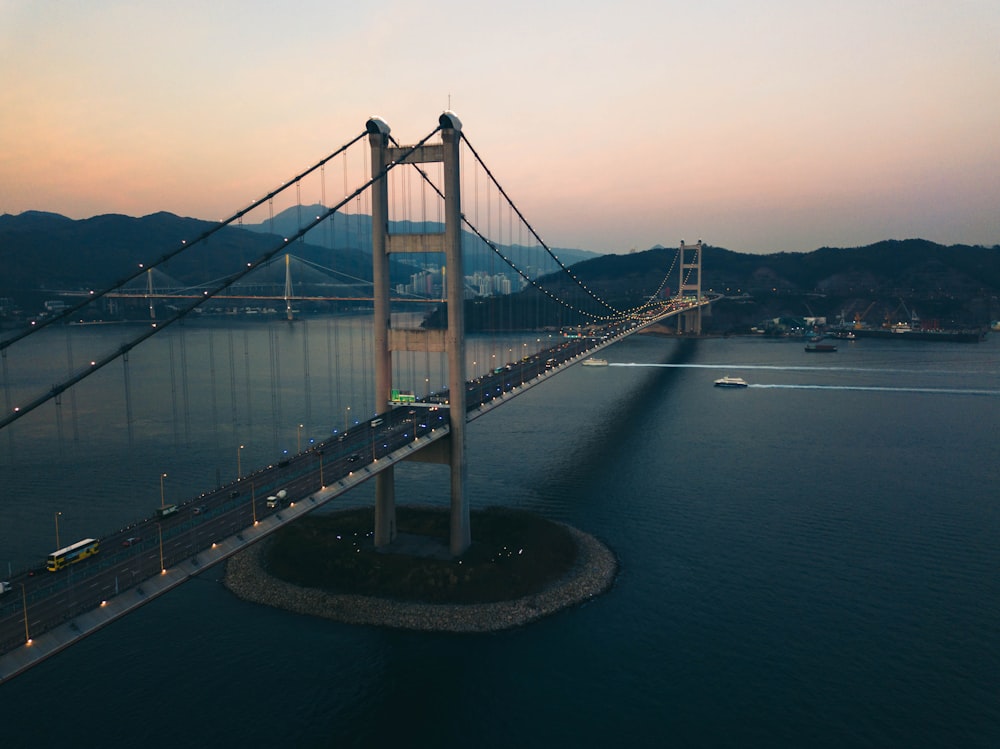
[57, 529]
[347, 418]
[24, 607]
[159, 525]
[298, 439]
[239, 468]
[159, 536]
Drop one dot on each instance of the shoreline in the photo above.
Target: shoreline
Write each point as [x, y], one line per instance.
[593, 573]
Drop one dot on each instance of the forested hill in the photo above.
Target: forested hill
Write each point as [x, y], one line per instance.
[957, 285]
[911, 266]
[40, 251]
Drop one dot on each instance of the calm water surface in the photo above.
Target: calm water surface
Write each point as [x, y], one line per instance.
[812, 561]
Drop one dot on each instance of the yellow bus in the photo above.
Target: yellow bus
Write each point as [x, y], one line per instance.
[72, 554]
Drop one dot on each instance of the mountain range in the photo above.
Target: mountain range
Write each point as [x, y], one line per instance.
[44, 252]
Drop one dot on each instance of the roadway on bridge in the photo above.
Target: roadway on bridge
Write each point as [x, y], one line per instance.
[143, 550]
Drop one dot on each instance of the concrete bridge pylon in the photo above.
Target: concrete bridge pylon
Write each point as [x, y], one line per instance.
[451, 340]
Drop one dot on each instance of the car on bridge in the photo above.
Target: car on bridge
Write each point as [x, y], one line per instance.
[131, 540]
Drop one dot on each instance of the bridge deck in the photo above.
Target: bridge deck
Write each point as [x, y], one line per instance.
[214, 526]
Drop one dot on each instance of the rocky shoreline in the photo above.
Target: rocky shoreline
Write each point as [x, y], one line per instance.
[593, 573]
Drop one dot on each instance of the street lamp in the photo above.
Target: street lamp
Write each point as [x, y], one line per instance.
[24, 607]
[298, 439]
[162, 476]
[159, 535]
[57, 529]
[347, 419]
[239, 469]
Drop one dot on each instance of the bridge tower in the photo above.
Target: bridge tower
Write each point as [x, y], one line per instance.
[690, 281]
[451, 341]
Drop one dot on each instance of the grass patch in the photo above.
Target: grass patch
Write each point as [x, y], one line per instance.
[513, 554]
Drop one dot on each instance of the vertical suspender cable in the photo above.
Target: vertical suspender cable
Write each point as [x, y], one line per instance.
[173, 385]
[185, 402]
[72, 391]
[128, 397]
[232, 383]
[59, 423]
[6, 396]
[246, 379]
[273, 360]
[322, 201]
[332, 370]
[298, 208]
[211, 373]
[307, 383]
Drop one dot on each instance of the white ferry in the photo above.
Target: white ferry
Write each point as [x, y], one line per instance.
[592, 362]
[731, 382]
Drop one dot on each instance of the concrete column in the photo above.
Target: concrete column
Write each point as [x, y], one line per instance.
[451, 136]
[385, 488]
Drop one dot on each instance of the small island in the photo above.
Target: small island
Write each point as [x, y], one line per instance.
[519, 568]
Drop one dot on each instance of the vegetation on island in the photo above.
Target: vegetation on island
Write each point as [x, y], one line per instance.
[513, 554]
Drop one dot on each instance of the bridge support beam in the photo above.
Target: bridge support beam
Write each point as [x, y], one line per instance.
[450, 242]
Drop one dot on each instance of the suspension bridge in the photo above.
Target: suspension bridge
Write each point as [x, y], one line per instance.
[190, 385]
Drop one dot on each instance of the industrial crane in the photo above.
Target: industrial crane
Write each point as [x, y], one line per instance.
[859, 319]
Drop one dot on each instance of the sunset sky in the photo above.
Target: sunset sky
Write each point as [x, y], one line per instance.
[756, 125]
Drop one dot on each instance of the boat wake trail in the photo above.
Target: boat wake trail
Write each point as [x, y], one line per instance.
[796, 368]
[860, 388]
[880, 389]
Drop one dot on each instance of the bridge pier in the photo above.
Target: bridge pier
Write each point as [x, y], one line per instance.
[451, 134]
[452, 342]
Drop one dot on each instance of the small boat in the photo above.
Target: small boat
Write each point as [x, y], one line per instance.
[731, 382]
[592, 362]
[821, 347]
